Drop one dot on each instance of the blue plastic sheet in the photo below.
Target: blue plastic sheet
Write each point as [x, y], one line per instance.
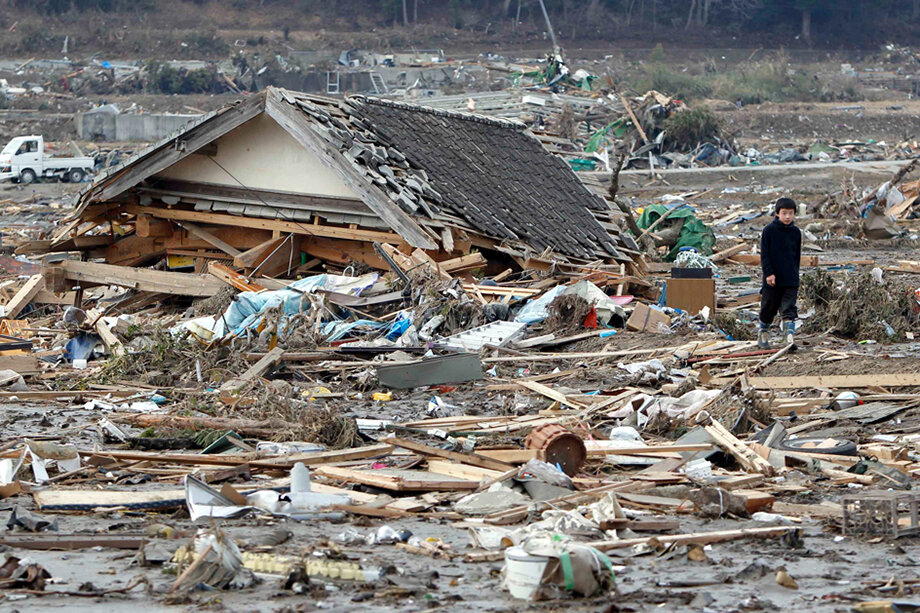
[80, 347]
[535, 310]
[399, 327]
[336, 330]
[247, 309]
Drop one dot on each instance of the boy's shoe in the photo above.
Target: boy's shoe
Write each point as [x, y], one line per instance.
[789, 332]
[763, 339]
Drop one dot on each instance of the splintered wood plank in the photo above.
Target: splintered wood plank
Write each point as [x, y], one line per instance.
[111, 342]
[472, 459]
[340, 455]
[701, 538]
[251, 257]
[497, 290]
[741, 452]
[397, 480]
[718, 257]
[25, 294]
[462, 471]
[233, 278]
[552, 394]
[598, 449]
[828, 381]
[511, 456]
[256, 370]
[465, 262]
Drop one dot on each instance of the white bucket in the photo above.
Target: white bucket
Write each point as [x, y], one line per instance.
[523, 572]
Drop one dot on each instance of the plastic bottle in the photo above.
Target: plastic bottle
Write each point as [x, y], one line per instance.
[300, 479]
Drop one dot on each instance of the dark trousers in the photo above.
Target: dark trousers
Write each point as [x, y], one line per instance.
[775, 300]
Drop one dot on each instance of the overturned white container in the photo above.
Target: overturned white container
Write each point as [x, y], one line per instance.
[524, 572]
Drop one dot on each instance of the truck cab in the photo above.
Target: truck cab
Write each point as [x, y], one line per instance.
[23, 160]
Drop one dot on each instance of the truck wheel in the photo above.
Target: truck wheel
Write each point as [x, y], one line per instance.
[27, 176]
[841, 447]
[75, 176]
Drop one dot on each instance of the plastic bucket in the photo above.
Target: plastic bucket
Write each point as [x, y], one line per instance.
[523, 572]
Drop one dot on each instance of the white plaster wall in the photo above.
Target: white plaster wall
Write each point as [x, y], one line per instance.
[261, 155]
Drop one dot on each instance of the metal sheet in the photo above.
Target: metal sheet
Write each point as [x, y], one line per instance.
[869, 413]
[454, 368]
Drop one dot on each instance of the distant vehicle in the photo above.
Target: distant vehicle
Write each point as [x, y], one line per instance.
[23, 160]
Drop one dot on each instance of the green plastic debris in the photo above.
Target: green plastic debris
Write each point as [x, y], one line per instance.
[582, 164]
[599, 139]
[694, 233]
[820, 147]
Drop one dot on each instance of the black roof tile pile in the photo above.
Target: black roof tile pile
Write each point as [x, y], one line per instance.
[495, 176]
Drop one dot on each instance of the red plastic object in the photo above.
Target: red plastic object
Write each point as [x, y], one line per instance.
[591, 319]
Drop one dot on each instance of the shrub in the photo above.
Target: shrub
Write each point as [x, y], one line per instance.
[771, 80]
[197, 82]
[678, 84]
[208, 44]
[687, 129]
[163, 78]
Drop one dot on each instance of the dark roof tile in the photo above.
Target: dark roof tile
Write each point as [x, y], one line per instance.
[494, 175]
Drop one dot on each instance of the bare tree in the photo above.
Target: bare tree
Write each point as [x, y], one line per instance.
[741, 9]
[690, 14]
[405, 13]
[701, 10]
[807, 7]
[593, 9]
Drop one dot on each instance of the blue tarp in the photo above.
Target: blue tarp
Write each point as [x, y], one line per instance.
[247, 309]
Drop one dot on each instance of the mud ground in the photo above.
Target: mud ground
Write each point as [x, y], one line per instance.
[831, 572]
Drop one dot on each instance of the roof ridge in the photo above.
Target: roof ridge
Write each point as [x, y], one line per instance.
[508, 124]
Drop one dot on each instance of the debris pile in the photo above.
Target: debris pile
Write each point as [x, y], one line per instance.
[341, 382]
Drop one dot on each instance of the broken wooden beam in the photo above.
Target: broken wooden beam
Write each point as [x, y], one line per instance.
[403, 481]
[727, 253]
[24, 296]
[233, 278]
[741, 452]
[208, 237]
[143, 279]
[256, 370]
[472, 459]
[826, 381]
[112, 344]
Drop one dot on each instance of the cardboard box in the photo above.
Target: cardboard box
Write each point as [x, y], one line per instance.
[691, 295]
[646, 318]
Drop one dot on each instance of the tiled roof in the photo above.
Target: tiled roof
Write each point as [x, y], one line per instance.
[494, 175]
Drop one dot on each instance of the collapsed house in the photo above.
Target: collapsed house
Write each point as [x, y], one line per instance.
[282, 182]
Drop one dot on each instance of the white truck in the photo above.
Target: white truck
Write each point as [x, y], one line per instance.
[23, 160]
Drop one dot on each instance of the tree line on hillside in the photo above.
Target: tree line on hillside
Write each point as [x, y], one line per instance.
[807, 19]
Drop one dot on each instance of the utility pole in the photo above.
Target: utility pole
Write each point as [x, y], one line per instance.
[549, 26]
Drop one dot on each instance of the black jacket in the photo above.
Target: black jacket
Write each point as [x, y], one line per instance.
[781, 253]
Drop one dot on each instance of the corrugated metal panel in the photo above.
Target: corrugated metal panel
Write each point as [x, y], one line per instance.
[497, 333]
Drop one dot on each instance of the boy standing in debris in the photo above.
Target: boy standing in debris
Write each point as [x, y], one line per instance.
[780, 254]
